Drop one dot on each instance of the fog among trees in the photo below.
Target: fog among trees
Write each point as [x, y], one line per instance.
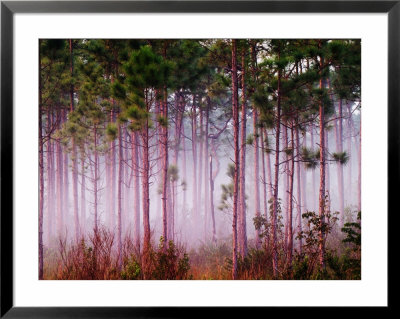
[199, 159]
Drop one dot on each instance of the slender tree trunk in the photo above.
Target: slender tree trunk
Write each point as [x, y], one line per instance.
[285, 185]
[269, 170]
[290, 204]
[164, 144]
[65, 180]
[350, 153]
[136, 190]
[257, 212]
[194, 154]
[322, 175]
[146, 194]
[359, 171]
[264, 184]
[299, 192]
[59, 160]
[113, 175]
[242, 167]
[95, 181]
[74, 155]
[276, 179]
[339, 148]
[83, 195]
[200, 168]
[119, 197]
[235, 112]
[50, 180]
[314, 187]
[184, 168]
[41, 178]
[206, 170]
[214, 238]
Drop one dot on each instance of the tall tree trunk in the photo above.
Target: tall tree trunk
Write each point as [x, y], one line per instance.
[299, 185]
[184, 169]
[113, 175]
[136, 194]
[146, 194]
[257, 212]
[314, 187]
[206, 169]
[290, 203]
[214, 238]
[242, 167]
[95, 181]
[119, 197]
[65, 180]
[59, 177]
[339, 149]
[359, 172]
[74, 155]
[265, 201]
[200, 168]
[194, 154]
[41, 178]
[164, 144]
[50, 179]
[322, 174]
[350, 153]
[83, 195]
[276, 178]
[235, 113]
[286, 184]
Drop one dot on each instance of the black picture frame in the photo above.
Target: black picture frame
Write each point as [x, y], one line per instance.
[9, 8]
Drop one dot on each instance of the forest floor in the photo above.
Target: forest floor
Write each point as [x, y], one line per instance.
[96, 259]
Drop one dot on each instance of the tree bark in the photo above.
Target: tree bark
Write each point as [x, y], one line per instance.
[119, 198]
[164, 144]
[235, 113]
[41, 178]
[206, 170]
[242, 167]
[74, 155]
[276, 178]
[290, 203]
[322, 174]
[136, 190]
[146, 194]
[299, 192]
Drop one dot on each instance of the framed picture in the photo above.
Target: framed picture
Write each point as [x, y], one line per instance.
[125, 155]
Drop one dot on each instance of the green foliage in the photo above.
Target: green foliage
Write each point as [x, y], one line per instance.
[173, 173]
[353, 233]
[168, 262]
[310, 157]
[341, 157]
[131, 269]
[112, 131]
